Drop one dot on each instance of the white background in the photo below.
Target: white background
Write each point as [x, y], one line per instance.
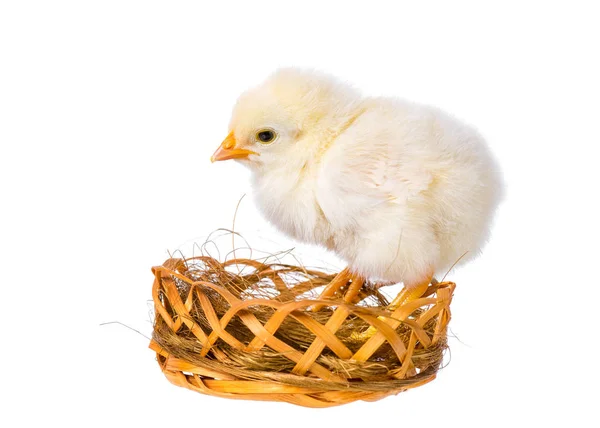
[109, 112]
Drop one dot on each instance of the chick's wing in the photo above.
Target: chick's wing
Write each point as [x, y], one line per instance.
[366, 171]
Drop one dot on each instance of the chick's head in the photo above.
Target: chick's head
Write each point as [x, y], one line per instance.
[284, 120]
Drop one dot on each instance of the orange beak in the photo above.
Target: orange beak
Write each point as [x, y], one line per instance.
[227, 150]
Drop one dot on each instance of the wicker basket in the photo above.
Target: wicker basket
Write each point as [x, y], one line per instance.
[248, 330]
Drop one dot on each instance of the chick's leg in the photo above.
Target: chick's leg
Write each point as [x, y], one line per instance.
[333, 287]
[411, 291]
[353, 290]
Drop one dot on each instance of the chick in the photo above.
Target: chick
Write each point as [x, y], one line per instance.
[400, 191]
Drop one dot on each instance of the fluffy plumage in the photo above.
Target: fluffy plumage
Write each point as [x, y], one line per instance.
[397, 189]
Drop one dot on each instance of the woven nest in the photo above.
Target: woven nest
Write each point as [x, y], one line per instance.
[248, 330]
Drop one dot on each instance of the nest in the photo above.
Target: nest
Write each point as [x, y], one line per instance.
[248, 330]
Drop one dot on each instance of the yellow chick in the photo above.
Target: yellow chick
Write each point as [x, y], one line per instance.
[400, 191]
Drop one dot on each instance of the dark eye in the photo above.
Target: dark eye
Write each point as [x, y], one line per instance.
[265, 136]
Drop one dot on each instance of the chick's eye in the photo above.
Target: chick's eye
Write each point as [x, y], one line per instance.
[265, 136]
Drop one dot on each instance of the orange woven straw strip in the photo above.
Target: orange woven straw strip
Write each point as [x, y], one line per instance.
[248, 330]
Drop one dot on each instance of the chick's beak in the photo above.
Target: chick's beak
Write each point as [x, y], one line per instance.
[227, 150]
